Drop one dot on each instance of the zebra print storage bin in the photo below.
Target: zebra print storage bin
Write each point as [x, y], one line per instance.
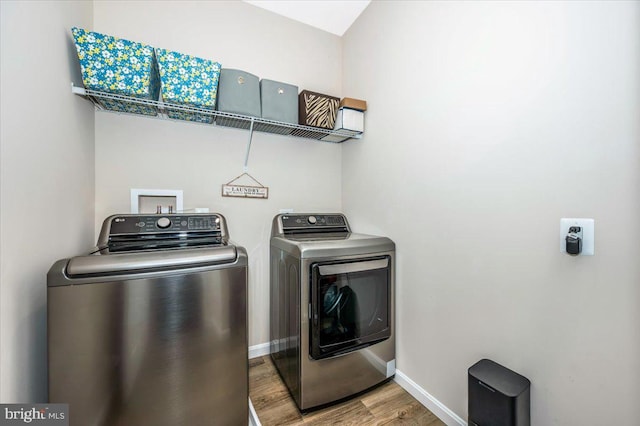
[317, 110]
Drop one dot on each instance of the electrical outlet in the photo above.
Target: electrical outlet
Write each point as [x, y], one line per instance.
[584, 226]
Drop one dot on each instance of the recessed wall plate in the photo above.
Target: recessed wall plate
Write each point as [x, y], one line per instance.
[147, 200]
[588, 234]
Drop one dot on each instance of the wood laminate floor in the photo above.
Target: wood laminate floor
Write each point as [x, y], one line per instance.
[388, 404]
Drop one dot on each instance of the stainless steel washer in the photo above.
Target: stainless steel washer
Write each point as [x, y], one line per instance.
[151, 327]
[332, 308]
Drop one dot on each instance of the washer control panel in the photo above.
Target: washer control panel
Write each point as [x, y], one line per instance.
[137, 224]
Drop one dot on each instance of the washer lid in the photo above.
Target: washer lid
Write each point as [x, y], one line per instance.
[136, 262]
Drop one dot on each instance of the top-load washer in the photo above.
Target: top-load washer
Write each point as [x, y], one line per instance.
[332, 307]
[151, 327]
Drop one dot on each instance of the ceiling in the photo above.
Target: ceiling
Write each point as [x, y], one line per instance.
[335, 16]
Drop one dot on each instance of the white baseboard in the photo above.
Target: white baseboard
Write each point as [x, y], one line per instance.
[259, 350]
[429, 401]
[253, 416]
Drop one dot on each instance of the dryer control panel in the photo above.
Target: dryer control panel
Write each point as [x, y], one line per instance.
[315, 223]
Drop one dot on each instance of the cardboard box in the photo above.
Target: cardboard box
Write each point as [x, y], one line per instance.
[356, 104]
[350, 119]
[118, 66]
[190, 81]
[317, 110]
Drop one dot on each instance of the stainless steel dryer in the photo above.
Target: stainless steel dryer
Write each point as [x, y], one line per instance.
[332, 307]
[151, 328]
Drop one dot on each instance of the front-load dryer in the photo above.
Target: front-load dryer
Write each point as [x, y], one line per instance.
[332, 308]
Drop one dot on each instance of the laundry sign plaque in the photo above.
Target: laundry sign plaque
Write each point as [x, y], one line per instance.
[244, 191]
[234, 189]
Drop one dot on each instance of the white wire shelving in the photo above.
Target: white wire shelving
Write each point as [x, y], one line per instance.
[219, 118]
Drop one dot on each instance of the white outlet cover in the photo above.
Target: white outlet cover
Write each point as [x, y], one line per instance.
[588, 234]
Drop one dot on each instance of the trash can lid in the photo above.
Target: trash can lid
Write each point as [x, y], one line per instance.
[499, 377]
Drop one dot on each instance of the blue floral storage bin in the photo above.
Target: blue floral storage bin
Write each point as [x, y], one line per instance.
[118, 66]
[190, 81]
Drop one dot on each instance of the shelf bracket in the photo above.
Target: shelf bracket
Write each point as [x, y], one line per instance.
[246, 156]
[78, 90]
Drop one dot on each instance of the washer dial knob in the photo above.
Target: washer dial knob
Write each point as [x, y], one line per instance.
[163, 223]
[312, 220]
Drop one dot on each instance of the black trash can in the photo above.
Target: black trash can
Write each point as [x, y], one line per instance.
[498, 396]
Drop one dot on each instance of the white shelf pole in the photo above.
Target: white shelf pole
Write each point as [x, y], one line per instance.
[246, 157]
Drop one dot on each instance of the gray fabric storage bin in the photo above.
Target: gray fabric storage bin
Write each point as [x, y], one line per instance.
[279, 101]
[238, 92]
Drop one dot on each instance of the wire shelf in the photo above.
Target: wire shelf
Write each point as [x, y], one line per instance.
[162, 110]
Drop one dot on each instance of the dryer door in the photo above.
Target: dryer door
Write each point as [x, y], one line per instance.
[349, 305]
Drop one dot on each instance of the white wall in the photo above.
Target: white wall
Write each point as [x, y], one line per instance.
[133, 152]
[46, 179]
[487, 123]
